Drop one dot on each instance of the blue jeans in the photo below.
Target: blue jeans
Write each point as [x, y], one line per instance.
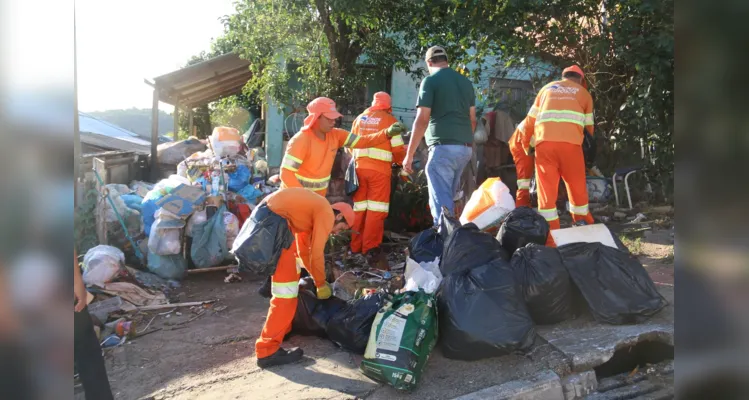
[444, 169]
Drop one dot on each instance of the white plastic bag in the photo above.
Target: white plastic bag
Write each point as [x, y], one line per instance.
[166, 234]
[198, 217]
[425, 275]
[481, 135]
[226, 142]
[231, 222]
[488, 204]
[102, 264]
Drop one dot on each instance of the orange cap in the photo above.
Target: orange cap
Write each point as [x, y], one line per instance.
[346, 211]
[575, 69]
[320, 106]
[381, 101]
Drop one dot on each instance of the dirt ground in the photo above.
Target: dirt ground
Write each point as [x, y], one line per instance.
[208, 352]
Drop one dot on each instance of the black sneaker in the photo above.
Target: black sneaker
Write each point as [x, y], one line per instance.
[265, 289]
[281, 357]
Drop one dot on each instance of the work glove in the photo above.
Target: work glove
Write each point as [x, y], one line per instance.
[324, 291]
[396, 129]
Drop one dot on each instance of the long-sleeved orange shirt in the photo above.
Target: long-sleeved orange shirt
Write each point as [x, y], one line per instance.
[307, 213]
[561, 111]
[309, 160]
[380, 157]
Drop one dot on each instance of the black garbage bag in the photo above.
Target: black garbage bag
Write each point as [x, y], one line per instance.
[425, 246]
[545, 283]
[349, 328]
[615, 285]
[522, 226]
[312, 314]
[589, 149]
[260, 241]
[351, 179]
[447, 224]
[468, 246]
[482, 313]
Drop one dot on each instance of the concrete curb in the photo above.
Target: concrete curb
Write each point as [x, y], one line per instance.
[544, 385]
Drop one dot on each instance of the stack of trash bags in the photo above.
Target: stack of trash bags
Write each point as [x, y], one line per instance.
[493, 291]
[204, 205]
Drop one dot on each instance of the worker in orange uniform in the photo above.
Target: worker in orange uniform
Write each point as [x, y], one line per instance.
[311, 152]
[374, 170]
[560, 113]
[309, 214]
[523, 166]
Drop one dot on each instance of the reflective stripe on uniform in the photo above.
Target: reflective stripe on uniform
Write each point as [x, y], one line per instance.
[396, 140]
[572, 117]
[284, 290]
[291, 163]
[377, 206]
[360, 205]
[579, 210]
[376, 154]
[524, 184]
[549, 214]
[313, 184]
[533, 112]
[589, 119]
[299, 265]
[351, 140]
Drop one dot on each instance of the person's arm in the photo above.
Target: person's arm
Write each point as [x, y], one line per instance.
[589, 122]
[529, 124]
[352, 141]
[79, 288]
[292, 161]
[320, 232]
[472, 114]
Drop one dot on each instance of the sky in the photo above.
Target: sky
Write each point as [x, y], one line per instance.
[122, 42]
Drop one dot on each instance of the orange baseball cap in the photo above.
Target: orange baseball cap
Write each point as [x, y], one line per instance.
[320, 106]
[346, 211]
[381, 101]
[575, 69]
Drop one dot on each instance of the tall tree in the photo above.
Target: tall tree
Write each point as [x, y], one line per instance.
[301, 49]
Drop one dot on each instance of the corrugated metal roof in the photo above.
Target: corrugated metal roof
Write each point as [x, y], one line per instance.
[204, 82]
[96, 132]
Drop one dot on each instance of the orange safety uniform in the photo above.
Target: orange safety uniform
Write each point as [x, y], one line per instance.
[523, 166]
[561, 111]
[309, 214]
[373, 169]
[309, 160]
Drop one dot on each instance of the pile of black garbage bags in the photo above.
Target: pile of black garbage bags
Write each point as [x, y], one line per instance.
[494, 291]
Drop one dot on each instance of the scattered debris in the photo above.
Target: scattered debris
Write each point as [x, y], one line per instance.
[162, 306]
[232, 277]
[640, 217]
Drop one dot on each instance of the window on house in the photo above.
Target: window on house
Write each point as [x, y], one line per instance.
[511, 94]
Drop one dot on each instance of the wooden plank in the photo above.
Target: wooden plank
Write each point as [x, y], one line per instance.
[163, 306]
[176, 121]
[211, 269]
[155, 135]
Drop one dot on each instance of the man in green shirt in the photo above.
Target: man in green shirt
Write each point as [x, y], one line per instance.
[446, 114]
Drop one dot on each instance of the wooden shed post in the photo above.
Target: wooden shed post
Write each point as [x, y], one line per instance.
[155, 136]
[176, 120]
[191, 115]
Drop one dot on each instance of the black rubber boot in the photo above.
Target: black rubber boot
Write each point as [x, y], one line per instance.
[281, 357]
[265, 289]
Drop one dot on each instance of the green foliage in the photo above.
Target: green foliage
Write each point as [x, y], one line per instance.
[626, 49]
[303, 49]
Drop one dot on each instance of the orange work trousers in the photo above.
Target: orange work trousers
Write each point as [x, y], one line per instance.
[285, 288]
[565, 160]
[371, 206]
[524, 169]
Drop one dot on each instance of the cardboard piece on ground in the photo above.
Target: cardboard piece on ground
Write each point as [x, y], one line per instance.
[585, 234]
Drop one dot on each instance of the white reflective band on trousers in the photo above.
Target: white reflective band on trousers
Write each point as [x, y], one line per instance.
[579, 210]
[284, 290]
[550, 214]
[524, 184]
[377, 154]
